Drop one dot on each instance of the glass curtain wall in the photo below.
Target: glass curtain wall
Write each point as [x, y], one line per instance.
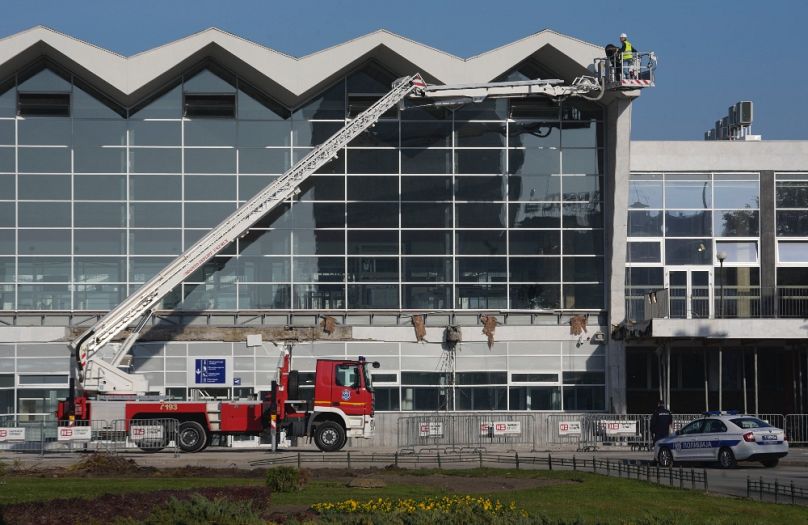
[495, 205]
[678, 223]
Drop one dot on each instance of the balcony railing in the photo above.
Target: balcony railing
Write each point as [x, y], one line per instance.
[704, 302]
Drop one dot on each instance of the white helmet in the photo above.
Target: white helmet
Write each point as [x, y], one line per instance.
[623, 35]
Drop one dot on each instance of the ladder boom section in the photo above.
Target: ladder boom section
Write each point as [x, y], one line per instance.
[237, 224]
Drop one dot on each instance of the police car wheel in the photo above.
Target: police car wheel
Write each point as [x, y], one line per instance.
[665, 457]
[770, 463]
[726, 458]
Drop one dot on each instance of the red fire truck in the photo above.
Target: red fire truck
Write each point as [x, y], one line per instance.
[341, 407]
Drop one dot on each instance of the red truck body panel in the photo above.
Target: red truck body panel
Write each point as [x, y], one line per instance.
[241, 417]
[164, 409]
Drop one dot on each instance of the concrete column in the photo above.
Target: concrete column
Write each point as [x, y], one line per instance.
[618, 146]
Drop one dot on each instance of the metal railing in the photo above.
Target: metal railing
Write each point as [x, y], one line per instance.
[736, 302]
[779, 491]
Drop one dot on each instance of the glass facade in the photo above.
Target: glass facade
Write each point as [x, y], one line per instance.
[678, 224]
[496, 205]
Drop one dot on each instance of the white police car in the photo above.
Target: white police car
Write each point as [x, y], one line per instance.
[726, 438]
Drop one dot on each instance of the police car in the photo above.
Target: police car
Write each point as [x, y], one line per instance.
[724, 437]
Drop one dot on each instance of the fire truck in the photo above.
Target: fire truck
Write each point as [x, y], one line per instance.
[342, 406]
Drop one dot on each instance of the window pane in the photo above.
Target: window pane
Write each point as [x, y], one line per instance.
[319, 269]
[645, 193]
[265, 269]
[737, 194]
[481, 242]
[480, 188]
[208, 214]
[534, 162]
[44, 269]
[210, 132]
[644, 252]
[99, 214]
[482, 269]
[480, 161]
[259, 296]
[792, 194]
[43, 160]
[583, 269]
[372, 188]
[587, 215]
[738, 252]
[155, 133]
[383, 134]
[167, 105]
[793, 252]
[45, 131]
[582, 161]
[372, 269]
[736, 223]
[100, 242]
[481, 297]
[680, 223]
[792, 224]
[257, 134]
[98, 297]
[155, 215]
[426, 242]
[535, 398]
[535, 242]
[534, 134]
[44, 214]
[583, 296]
[217, 160]
[308, 242]
[583, 242]
[260, 161]
[99, 269]
[538, 269]
[44, 242]
[99, 187]
[427, 269]
[319, 296]
[645, 224]
[426, 188]
[480, 134]
[367, 215]
[372, 242]
[426, 161]
[150, 160]
[437, 297]
[687, 194]
[155, 242]
[371, 296]
[99, 133]
[99, 160]
[426, 215]
[492, 398]
[480, 215]
[43, 297]
[210, 188]
[372, 161]
[539, 215]
[426, 134]
[688, 251]
[155, 187]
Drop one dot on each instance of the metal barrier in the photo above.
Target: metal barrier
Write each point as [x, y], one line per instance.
[796, 427]
[44, 437]
[149, 435]
[465, 431]
[781, 491]
[623, 429]
[570, 429]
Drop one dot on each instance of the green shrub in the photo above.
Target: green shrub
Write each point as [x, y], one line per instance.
[286, 479]
[199, 510]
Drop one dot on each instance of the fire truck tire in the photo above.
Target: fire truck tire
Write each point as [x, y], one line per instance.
[191, 437]
[329, 436]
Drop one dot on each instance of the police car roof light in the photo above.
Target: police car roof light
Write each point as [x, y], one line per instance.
[733, 412]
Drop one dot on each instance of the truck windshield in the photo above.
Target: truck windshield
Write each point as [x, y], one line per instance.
[368, 382]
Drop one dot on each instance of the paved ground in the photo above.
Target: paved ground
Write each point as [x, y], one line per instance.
[729, 482]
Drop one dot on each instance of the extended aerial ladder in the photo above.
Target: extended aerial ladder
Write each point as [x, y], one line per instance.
[104, 375]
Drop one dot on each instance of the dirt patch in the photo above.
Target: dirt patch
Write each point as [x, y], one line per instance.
[135, 505]
[107, 464]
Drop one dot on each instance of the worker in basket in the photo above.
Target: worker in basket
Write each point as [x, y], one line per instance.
[627, 57]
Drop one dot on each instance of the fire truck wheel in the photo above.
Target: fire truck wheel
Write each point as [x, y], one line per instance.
[191, 437]
[329, 436]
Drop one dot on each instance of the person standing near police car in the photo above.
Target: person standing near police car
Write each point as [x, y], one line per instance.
[661, 422]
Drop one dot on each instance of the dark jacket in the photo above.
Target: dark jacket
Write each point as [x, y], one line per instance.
[661, 421]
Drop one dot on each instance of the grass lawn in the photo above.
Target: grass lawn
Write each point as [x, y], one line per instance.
[590, 498]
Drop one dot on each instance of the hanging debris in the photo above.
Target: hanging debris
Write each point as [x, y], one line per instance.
[420, 330]
[489, 325]
[452, 336]
[577, 324]
[328, 324]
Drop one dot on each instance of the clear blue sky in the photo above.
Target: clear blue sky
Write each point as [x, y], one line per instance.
[711, 53]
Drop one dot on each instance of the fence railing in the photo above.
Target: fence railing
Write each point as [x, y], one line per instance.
[705, 302]
[675, 477]
[97, 435]
[779, 491]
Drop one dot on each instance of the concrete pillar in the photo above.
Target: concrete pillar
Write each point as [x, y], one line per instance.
[618, 146]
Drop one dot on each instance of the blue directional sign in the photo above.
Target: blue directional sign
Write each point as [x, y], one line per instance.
[210, 371]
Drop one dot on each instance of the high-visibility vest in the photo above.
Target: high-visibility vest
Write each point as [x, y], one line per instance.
[628, 53]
